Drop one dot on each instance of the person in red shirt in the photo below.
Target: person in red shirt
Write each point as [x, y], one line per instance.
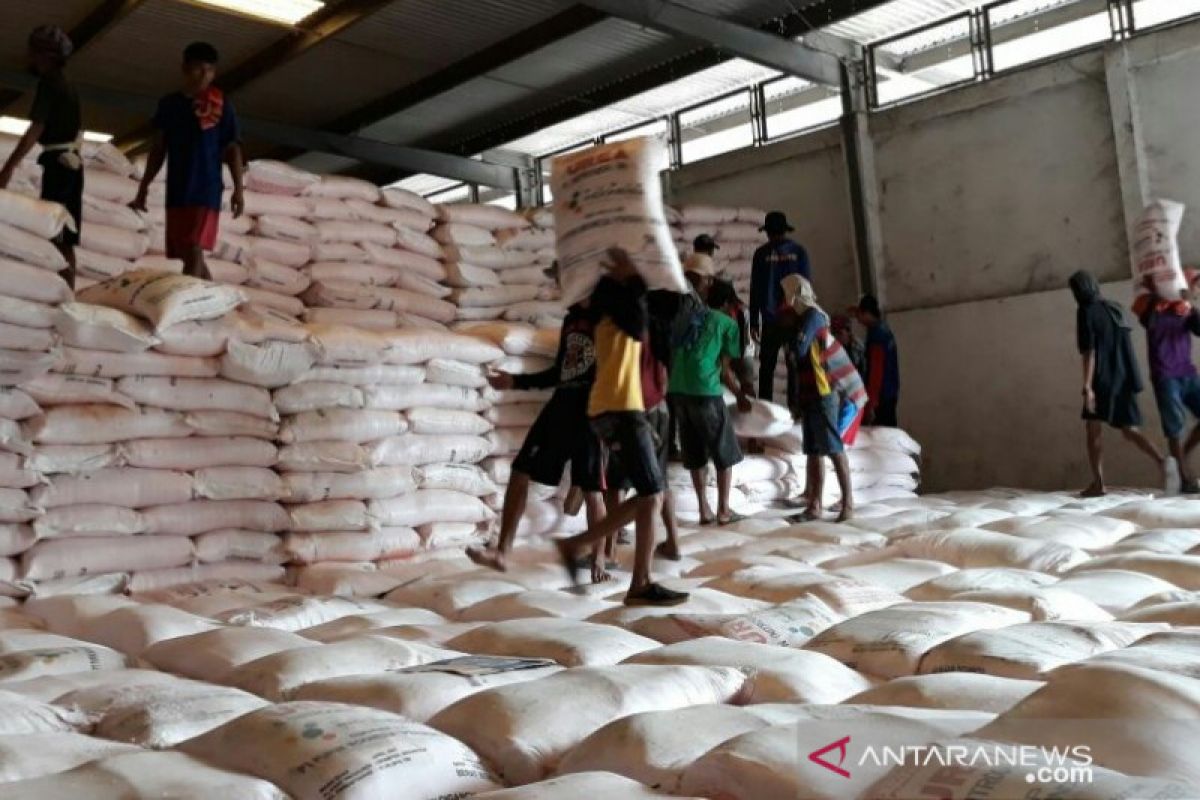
[198, 131]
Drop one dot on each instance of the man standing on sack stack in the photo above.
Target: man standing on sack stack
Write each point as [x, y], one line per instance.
[55, 123]
[774, 261]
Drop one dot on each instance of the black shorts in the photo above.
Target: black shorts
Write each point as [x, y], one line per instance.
[626, 437]
[705, 432]
[560, 434]
[63, 186]
[1118, 409]
[659, 419]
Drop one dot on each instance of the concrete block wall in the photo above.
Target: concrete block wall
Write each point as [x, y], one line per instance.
[990, 197]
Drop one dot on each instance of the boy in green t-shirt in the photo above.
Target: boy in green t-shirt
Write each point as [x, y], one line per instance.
[703, 361]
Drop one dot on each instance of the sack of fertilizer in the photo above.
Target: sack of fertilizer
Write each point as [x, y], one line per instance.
[1156, 262]
[610, 196]
[164, 299]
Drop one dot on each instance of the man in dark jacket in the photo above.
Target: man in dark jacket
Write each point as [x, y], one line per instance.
[1111, 378]
[773, 262]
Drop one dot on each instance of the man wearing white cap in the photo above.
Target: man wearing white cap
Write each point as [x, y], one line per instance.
[707, 342]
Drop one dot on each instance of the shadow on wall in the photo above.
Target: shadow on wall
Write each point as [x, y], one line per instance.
[991, 389]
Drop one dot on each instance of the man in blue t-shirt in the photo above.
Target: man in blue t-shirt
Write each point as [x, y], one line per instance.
[198, 131]
[773, 262]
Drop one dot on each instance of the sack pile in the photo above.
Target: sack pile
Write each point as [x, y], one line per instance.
[496, 262]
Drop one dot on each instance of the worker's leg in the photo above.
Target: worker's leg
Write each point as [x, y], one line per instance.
[816, 484]
[1095, 449]
[515, 498]
[1141, 442]
[841, 465]
[700, 485]
[195, 265]
[768, 359]
[724, 487]
[647, 509]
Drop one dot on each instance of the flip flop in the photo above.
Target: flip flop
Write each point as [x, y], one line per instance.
[733, 519]
[704, 523]
[807, 516]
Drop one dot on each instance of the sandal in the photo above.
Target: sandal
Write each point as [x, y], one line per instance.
[732, 519]
[808, 516]
[704, 523]
[654, 594]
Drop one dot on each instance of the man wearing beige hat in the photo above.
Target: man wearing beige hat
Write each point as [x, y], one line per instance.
[706, 345]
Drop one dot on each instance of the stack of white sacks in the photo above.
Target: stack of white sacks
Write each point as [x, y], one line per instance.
[241, 438]
[30, 295]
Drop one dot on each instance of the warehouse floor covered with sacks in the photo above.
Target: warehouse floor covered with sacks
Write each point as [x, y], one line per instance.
[249, 523]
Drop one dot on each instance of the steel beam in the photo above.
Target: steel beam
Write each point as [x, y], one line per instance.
[107, 13]
[769, 50]
[396, 157]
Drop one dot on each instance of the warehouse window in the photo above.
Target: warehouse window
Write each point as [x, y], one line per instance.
[455, 194]
[656, 127]
[1024, 31]
[716, 127]
[923, 61]
[1149, 13]
[794, 105]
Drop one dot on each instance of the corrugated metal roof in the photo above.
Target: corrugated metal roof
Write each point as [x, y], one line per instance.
[142, 52]
[705, 85]
[438, 32]
[558, 71]
[327, 81]
[896, 17]
[22, 16]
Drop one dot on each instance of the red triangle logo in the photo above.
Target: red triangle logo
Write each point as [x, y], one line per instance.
[816, 756]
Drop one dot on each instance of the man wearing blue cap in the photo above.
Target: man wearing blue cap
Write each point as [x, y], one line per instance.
[774, 261]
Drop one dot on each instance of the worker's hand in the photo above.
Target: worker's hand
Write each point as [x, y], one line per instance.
[756, 334]
[869, 417]
[6, 174]
[500, 381]
[237, 203]
[620, 265]
[748, 389]
[139, 202]
[743, 403]
[1089, 399]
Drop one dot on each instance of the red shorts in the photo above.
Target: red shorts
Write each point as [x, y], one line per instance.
[191, 227]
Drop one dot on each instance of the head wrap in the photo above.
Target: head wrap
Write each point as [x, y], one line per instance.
[1086, 289]
[51, 40]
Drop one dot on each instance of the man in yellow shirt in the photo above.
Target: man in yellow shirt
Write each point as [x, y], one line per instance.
[617, 414]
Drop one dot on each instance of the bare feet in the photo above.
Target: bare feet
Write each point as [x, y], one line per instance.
[668, 551]
[600, 572]
[846, 514]
[1095, 490]
[487, 557]
[567, 555]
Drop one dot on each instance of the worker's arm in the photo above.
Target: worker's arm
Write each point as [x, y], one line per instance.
[26, 143]
[1089, 373]
[758, 286]
[237, 166]
[1193, 322]
[730, 379]
[154, 164]
[546, 379]
[876, 360]
[621, 296]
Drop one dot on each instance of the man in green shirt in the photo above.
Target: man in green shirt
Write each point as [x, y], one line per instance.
[703, 354]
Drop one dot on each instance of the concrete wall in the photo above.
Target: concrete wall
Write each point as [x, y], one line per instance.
[806, 179]
[1001, 189]
[991, 196]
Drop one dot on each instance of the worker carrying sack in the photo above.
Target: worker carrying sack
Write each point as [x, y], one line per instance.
[610, 196]
[1156, 250]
